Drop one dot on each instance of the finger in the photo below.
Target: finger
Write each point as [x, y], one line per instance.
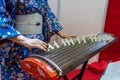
[37, 45]
[68, 36]
[73, 36]
[43, 44]
[41, 48]
[39, 41]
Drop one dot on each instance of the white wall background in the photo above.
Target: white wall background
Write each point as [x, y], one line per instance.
[54, 6]
[83, 17]
[80, 16]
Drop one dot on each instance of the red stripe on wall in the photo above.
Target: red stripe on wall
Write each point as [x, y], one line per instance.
[112, 25]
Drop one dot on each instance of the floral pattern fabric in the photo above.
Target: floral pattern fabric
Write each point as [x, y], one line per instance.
[11, 53]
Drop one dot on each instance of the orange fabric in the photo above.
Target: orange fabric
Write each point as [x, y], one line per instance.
[39, 69]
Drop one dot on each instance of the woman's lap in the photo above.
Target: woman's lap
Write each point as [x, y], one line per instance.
[10, 56]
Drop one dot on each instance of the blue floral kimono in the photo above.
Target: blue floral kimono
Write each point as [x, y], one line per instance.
[11, 53]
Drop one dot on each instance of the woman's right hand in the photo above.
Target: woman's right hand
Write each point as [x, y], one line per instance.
[30, 43]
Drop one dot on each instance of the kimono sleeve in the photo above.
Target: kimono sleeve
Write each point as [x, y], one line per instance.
[6, 23]
[51, 21]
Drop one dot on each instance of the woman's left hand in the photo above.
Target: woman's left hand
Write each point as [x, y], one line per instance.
[63, 35]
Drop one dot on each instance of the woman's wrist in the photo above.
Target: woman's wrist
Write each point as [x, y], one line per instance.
[18, 39]
[63, 35]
